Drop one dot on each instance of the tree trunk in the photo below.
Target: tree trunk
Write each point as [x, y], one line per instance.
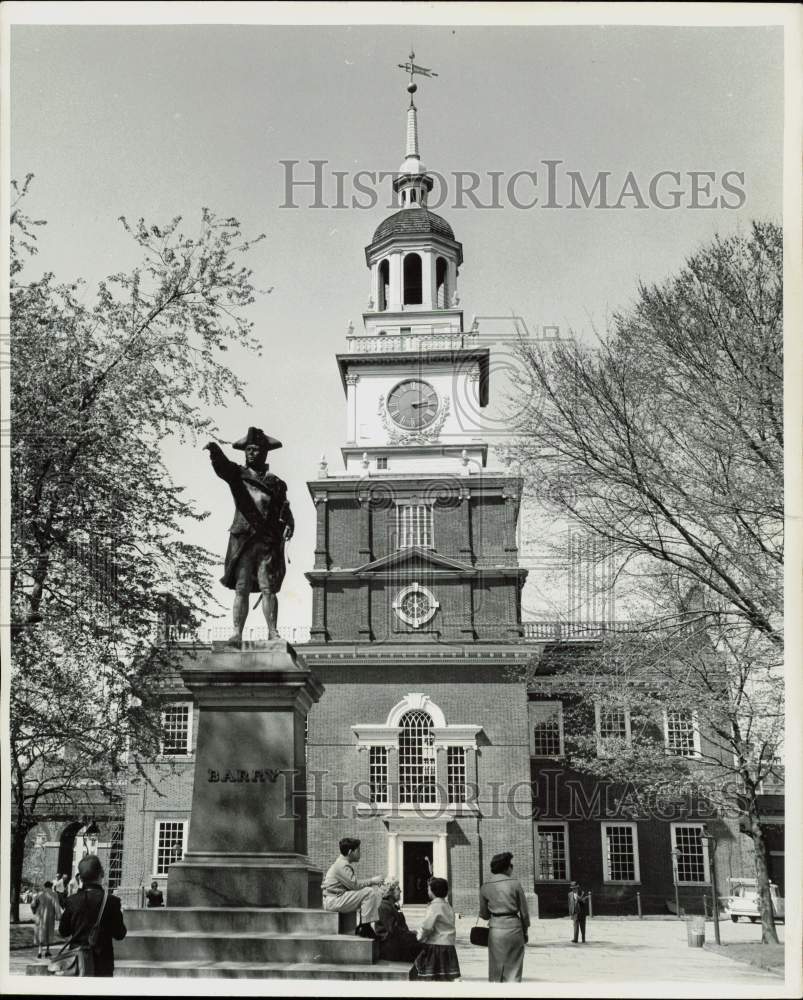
[769, 935]
[19, 834]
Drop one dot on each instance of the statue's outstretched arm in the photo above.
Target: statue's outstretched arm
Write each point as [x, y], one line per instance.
[223, 467]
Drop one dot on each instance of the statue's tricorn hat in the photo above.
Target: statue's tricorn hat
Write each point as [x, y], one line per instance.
[259, 438]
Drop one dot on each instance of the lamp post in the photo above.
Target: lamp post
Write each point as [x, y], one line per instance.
[711, 845]
[675, 855]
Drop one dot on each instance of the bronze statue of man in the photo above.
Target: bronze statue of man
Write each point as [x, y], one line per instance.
[262, 524]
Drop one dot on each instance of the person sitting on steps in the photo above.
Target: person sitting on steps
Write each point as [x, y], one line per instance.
[343, 893]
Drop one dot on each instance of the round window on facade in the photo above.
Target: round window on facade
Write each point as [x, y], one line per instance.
[415, 605]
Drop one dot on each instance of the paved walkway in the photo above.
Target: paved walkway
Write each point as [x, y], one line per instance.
[637, 951]
[616, 951]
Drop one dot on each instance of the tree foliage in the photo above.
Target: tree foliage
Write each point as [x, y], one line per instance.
[666, 437]
[98, 381]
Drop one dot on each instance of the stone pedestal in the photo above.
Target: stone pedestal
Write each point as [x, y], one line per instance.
[248, 830]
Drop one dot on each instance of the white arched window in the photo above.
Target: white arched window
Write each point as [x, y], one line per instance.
[417, 779]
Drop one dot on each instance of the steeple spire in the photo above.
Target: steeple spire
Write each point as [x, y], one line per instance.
[413, 184]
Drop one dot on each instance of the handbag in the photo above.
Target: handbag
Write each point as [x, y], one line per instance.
[479, 935]
[79, 961]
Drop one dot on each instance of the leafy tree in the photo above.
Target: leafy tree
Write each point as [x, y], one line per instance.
[97, 382]
[664, 439]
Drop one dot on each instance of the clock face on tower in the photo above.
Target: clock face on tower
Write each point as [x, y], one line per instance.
[413, 404]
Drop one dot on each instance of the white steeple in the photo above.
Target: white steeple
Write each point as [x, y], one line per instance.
[412, 182]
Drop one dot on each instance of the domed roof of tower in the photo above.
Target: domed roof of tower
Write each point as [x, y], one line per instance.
[413, 221]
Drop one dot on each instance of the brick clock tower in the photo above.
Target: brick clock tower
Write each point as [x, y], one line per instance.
[419, 745]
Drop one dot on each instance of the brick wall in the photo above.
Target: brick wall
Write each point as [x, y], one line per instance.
[467, 694]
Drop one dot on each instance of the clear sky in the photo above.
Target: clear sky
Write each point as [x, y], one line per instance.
[159, 121]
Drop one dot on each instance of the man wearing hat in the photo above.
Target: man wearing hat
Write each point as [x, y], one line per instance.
[578, 910]
[262, 524]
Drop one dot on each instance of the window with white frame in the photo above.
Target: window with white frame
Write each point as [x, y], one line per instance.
[547, 727]
[382, 462]
[612, 724]
[456, 774]
[169, 844]
[177, 730]
[551, 852]
[414, 525]
[378, 774]
[620, 852]
[416, 758]
[681, 732]
[689, 853]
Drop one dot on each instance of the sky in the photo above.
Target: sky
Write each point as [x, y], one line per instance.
[158, 121]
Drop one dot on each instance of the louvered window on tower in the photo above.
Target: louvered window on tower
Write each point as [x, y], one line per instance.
[414, 525]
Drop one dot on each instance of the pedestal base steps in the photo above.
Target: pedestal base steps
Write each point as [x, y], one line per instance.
[235, 943]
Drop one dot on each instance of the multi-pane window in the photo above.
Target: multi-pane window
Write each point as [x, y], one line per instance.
[170, 840]
[378, 774]
[547, 728]
[416, 758]
[681, 733]
[620, 852]
[176, 725]
[552, 855]
[689, 852]
[382, 462]
[456, 774]
[116, 857]
[613, 724]
[414, 525]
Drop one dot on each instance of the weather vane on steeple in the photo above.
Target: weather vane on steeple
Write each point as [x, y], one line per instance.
[411, 68]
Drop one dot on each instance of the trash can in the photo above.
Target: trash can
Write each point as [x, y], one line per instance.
[695, 931]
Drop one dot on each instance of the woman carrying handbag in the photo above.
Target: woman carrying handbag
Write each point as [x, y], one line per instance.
[502, 903]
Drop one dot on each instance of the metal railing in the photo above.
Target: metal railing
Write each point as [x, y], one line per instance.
[563, 631]
[532, 631]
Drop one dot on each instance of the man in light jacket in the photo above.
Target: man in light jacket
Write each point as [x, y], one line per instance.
[343, 892]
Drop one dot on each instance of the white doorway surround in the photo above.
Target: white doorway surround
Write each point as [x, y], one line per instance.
[402, 830]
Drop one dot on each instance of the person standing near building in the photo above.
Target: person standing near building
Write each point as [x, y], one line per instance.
[45, 909]
[343, 893]
[502, 903]
[437, 961]
[578, 910]
[60, 889]
[81, 912]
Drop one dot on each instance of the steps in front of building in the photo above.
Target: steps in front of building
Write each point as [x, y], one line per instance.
[235, 919]
[264, 970]
[162, 945]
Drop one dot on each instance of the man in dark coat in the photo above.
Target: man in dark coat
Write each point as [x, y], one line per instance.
[262, 524]
[82, 910]
[578, 910]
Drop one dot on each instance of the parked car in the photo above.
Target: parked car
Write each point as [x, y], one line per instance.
[743, 900]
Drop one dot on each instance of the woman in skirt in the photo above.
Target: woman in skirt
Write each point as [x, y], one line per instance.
[437, 960]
